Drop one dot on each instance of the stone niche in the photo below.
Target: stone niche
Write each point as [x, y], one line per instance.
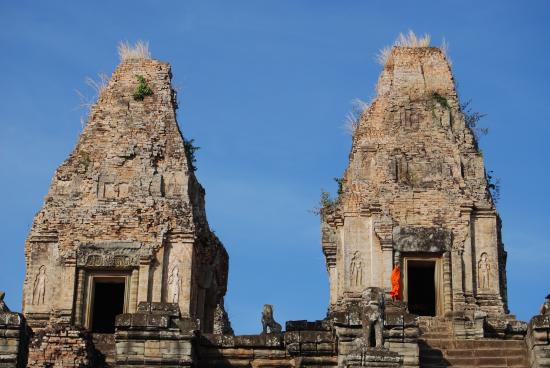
[43, 291]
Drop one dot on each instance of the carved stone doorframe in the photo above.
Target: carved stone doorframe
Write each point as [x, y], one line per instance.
[92, 278]
[438, 279]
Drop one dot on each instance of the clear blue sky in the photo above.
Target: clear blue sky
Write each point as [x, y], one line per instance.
[265, 87]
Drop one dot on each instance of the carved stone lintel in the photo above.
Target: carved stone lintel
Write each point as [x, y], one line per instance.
[118, 254]
[422, 239]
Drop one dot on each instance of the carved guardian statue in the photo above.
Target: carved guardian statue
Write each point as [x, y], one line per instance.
[3, 306]
[372, 316]
[268, 322]
[545, 307]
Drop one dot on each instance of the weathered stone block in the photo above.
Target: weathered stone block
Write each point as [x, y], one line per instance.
[291, 337]
[269, 353]
[325, 347]
[293, 348]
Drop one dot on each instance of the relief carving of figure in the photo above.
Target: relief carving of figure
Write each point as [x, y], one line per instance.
[356, 270]
[173, 187]
[484, 271]
[39, 289]
[372, 317]
[268, 322]
[174, 285]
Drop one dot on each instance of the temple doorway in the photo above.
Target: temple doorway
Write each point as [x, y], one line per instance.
[422, 286]
[108, 301]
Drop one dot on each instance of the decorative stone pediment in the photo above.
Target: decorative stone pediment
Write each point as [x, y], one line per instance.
[118, 254]
[422, 239]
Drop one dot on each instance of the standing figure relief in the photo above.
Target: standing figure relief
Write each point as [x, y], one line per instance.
[174, 285]
[356, 270]
[39, 287]
[483, 272]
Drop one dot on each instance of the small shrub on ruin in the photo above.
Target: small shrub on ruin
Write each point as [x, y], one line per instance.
[445, 50]
[493, 185]
[84, 159]
[340, 183]
[353, 117]
[472, 118]
[140, 51]
[441, 100]
[409, 39]
[87, 100]
[325, 202]
[412, 40]
[142, 89]
[384, 55]
[190, 150]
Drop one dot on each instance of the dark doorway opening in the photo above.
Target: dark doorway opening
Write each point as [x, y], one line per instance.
[108, 303]
[421, 287]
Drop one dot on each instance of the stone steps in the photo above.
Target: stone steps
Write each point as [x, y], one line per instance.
[472, 353]
[105, 346]
[439, 348]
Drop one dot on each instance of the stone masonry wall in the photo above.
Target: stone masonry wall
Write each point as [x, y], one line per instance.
[13, 340]
[538, 341]
[61, 348]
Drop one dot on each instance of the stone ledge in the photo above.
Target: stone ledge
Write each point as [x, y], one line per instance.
[10, 320]
[263, 340]
[304, 325]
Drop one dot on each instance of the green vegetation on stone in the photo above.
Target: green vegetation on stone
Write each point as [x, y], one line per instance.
[340, 182]
[190, 150]
[440, 100]
[142, 89]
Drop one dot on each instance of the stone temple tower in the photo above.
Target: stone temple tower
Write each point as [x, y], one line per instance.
[415, 194]
[124, 220]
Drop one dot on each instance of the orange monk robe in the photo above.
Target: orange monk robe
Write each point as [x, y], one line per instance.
[395, 292]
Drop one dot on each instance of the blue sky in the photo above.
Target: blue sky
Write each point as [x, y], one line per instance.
[265, 87]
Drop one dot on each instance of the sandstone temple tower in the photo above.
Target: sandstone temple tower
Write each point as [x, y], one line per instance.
[415, 194]
[124, 220]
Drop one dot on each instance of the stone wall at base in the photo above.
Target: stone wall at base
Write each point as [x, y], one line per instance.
[399, 336]
[66, 347]
[13, 340]
[166, 348]
[155, 336]
[538, 341]
[242, 351]
[304, 344]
